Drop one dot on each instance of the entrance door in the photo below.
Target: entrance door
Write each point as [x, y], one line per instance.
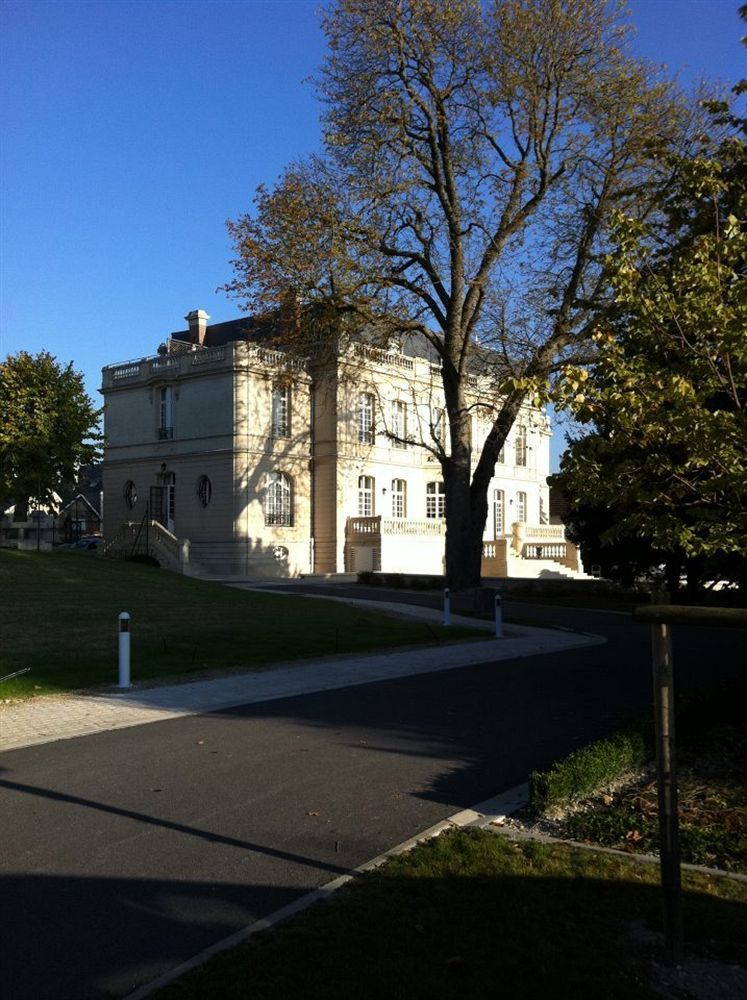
[163, 501]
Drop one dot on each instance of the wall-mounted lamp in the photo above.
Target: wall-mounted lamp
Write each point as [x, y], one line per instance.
[383, 490]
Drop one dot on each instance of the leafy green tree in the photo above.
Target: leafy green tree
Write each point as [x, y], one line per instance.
[667, 395]
[474, 153]
[48, 428]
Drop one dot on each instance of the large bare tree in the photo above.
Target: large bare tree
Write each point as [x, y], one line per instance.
[473, 154]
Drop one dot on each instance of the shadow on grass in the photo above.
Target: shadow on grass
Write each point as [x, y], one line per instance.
[390, 935]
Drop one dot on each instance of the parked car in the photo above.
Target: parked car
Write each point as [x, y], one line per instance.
[89, 543]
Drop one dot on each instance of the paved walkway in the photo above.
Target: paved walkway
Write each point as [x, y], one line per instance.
[45, 719]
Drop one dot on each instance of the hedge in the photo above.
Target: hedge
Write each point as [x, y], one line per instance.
[590, 768]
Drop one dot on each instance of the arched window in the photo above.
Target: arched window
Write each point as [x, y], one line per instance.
[278, 503]
[365, 496]
[204, 490]
[435, 500]
[399, 498]
[499, 513]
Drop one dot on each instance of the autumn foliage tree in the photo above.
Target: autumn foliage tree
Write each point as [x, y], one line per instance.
[48, 428]
[473, 156]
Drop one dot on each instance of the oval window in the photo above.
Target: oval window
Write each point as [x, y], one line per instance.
[204, 490]
[130, 494]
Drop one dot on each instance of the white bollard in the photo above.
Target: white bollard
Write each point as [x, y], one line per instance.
[124, 650]
[498, 617]
[447, 607]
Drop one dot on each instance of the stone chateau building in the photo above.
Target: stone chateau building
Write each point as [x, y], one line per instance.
[225, 458]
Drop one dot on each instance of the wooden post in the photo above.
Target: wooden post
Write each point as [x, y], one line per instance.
[667, 790]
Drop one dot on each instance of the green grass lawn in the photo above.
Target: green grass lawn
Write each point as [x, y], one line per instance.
[60, 613]
[473, 914]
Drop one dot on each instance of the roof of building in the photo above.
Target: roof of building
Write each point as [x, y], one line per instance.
[248, 328]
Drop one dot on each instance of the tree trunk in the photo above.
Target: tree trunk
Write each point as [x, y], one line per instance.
[459, 567]
[21, 511]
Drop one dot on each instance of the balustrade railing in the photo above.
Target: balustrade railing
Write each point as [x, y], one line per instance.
[551, 550]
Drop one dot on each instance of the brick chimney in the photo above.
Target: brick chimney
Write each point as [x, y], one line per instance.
[197, 320]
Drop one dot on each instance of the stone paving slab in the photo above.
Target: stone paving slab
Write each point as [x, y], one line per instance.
[49, 718]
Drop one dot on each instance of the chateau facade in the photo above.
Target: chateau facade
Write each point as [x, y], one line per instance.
[227, 459]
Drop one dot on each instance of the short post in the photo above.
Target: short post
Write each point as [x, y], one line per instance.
[498, 617]
[124, 650]
[447, 607]
[661, 643]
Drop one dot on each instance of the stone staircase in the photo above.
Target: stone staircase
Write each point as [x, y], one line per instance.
[149, 537]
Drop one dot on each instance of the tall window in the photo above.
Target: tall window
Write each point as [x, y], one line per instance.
[166, 412]
[399, 422]
[366, 418]
[435, 500]
[499, 513]
[278, 500]
[281, 411]
[399, 498]
[521, 507]
[502, 454]
[365, 496]
[521, 445]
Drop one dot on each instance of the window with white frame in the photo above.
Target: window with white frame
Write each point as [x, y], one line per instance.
[502, 454]
[521, 445]
[365, 496]
[366, 432]
[521, 507]
[435, 500]
[499, 513]
[399, 498]
[166, 412]
[281, 411]
[399, 423]
[278, 500]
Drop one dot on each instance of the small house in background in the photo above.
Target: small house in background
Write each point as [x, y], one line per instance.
[67, 518]
[81, 514]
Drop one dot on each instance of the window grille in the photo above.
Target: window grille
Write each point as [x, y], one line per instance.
[521, 507]
[435, 500]
[521, 446]
[365, 496]
[399, 498]
[399, 423]
[499, 513]
[281, 411]
[366, 432]
[278, 501]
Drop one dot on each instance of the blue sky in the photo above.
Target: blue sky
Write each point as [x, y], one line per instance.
[130, 132]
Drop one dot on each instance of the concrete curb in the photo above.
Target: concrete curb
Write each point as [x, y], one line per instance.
[490, 811]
